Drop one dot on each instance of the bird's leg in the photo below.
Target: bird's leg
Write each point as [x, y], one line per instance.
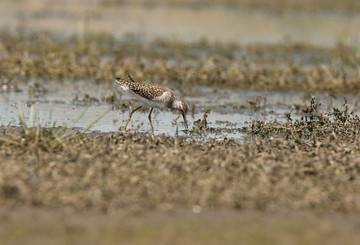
[131, 116]
[152, 127]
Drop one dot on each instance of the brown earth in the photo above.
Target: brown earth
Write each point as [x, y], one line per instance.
[130, 172]
[39, 226]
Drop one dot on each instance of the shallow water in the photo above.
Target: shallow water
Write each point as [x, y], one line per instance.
[60, 102]
[222, 24]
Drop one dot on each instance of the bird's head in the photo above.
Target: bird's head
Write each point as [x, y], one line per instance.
[183, 108]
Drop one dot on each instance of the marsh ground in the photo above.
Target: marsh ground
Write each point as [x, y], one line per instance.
[262, 163]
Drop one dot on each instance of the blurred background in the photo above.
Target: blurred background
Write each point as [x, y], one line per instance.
[319, 22]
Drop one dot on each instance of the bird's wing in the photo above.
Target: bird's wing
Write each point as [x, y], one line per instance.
[152, 92]
[148, 91]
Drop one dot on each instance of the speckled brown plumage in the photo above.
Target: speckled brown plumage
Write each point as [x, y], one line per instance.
[153, 96]
[147, 91]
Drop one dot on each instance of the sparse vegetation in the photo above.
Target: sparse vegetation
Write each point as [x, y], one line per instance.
[313, 126]
[72, 186]
[299, 165]
[40, 55]
[31, 138]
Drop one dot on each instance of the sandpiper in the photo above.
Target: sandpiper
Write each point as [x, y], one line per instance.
[153, 96]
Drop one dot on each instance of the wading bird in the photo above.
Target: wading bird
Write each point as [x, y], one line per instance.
[153, 96]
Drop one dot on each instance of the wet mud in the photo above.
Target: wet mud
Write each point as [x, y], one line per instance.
[244, 148]
[306, 164]
[272, 146]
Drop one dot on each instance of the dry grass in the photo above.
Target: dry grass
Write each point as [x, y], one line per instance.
[127, 172]
[309, 164]
[39, 55]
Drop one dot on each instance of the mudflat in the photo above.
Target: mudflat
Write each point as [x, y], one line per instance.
[271, 155]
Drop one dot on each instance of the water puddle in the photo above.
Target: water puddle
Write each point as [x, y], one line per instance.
[229, 111]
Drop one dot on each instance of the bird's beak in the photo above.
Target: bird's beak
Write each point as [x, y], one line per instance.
[185, 121]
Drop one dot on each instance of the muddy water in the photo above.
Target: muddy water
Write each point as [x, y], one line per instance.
[227, 108]
[213, 23]
[62, 102]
